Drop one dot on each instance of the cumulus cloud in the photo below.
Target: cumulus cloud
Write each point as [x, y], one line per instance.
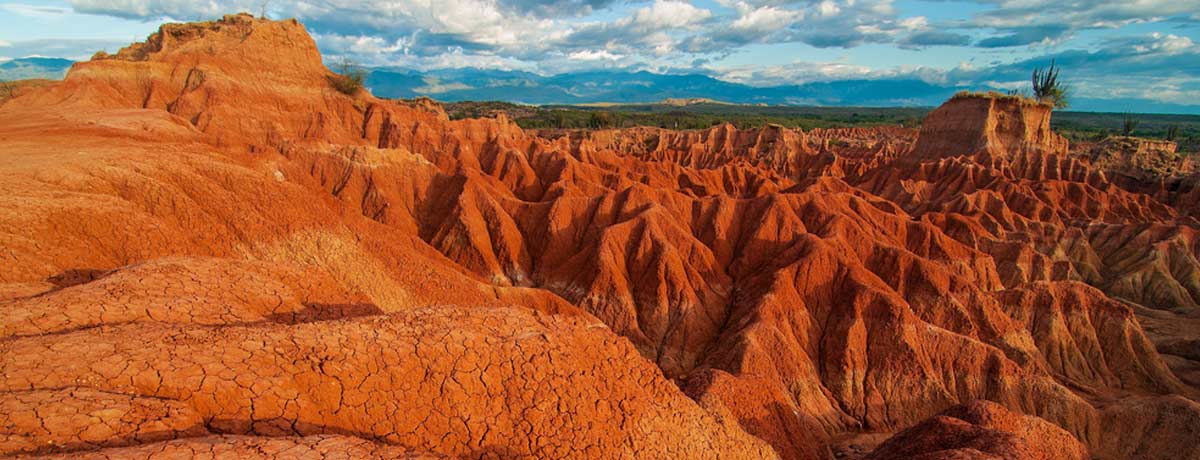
[593, 55]
[655, 30]
[1024, 22]
[481, 22]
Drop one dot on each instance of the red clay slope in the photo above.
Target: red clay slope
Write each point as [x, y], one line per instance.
[204, 243]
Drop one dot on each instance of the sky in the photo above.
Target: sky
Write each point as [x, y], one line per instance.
[1144, 49]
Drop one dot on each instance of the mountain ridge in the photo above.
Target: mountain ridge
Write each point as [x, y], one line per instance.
[638, 87]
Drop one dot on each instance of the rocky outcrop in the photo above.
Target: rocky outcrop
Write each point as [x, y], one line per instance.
[1001, 127]
[981, 430]
[1144, 165]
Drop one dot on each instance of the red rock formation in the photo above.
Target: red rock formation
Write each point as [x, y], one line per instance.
[998, 126]
[350, 266]
[982, 430]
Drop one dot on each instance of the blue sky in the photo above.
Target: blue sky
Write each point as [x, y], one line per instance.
[1144, 49]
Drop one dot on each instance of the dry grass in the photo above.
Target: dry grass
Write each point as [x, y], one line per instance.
[8, 90]
[998, 96]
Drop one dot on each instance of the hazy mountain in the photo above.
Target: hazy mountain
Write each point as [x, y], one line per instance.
[632, 87]
[470, 84]
[34, 67]
[619, 86]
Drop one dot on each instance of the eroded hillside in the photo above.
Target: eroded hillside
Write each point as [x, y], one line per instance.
[207, 249]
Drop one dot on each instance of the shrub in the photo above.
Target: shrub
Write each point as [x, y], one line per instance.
[8, 90]
[601, 119]
[1129, 124]
[349, 78]
[1047, 88]
[1172, 132]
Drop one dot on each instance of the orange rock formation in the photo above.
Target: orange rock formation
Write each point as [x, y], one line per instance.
[210, 251]
[982, 430]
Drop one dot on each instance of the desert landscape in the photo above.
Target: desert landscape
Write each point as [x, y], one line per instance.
[213, 248]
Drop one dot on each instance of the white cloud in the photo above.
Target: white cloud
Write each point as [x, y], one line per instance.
[798, 72]
[435, 86]
[765, 19]
[593, 55]
[1171, 44]
[670, 14]
[828, 9]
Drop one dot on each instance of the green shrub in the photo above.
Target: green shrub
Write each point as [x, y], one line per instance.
[1047, 88]
[349, 78]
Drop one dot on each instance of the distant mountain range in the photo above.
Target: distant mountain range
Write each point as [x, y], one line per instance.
[635, 87]
[467, 84]
[34, 67]
[591, 87]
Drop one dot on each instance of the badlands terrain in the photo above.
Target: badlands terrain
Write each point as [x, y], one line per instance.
[209, 252]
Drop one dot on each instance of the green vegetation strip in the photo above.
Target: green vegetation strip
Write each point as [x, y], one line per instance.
[1076, 126]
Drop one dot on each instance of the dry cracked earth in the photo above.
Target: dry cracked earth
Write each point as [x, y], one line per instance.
[208, 252]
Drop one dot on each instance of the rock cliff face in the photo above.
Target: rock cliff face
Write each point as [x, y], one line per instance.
[207, 249]
[998, 126]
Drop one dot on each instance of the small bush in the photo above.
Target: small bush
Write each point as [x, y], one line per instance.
[1172, 132]
[349, 78]
[1129, 124]
[8, 90]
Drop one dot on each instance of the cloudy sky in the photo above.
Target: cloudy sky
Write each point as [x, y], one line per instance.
[1144, 49]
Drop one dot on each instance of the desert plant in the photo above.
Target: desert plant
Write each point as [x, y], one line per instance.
[348, 79]
[1047, 88]
[8, 90]
[1129, 124]
[1172, 132]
